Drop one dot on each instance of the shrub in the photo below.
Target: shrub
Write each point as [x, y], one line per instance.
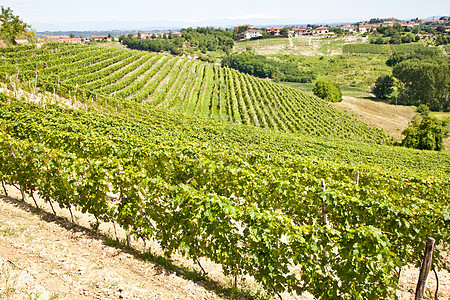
[425, 134]
[327, 91]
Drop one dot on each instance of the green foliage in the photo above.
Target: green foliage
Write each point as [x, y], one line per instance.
[327, 91]
[242, 197]
[384, 87]
[365, 48]
[90, 73]
[424, 82]
[395, 34]
[261, 66]
[202, 38]
[11, 26]
[425, 134]
[423, 110]
[416, 51]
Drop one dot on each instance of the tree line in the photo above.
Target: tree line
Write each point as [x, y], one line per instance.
[418, 77]
[203, 39]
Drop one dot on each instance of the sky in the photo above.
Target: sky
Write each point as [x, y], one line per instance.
[135, 14]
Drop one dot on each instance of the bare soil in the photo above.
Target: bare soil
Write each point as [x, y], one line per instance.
[47, 257]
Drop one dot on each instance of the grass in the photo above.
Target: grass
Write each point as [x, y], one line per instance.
[352, 71]
[109, 45]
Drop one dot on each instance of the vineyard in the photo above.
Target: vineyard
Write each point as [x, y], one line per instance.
[333, 215]
[179, 84]
[385, 49]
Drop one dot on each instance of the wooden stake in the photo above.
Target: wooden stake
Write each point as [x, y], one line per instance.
[128, 239]
[115, 231]
[425, 269]
[324, 214]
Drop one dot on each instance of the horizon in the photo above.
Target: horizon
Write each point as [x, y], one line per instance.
[101, 15]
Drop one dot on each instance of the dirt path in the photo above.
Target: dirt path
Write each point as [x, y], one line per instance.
[393, 119]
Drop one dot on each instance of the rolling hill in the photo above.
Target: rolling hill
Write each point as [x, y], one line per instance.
[262, 179]
[183, 85]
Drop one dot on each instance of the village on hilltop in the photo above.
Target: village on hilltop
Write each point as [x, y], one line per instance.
[248, 31]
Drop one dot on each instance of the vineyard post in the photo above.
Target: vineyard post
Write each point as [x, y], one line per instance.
[357, 178]
[324, 215]
[425, 268]
[128, 235]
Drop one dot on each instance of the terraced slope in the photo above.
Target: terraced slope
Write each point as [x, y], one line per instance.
[179, 84]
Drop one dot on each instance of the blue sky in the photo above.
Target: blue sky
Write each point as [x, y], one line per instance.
[112, 14]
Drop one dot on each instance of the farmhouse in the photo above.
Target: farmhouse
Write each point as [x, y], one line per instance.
[301, 31]
[98, 38]
[64, 39]
[275, 31]
[367, 27]
[251, 33]
[322, 30]
[348, 28]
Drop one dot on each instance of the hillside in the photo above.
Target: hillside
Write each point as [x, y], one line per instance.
[317, 203]
[216, 178]
[43, 257]
[90, 73]
[392, 119]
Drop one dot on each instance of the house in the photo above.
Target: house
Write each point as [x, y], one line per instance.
[146, 35]
[321, 30]
[348, 28]
[275, 31]
[64, 39]
[301, 31]
[367, 27]
[98, 38]
[447, 28]
[251, 33]
[240, 26]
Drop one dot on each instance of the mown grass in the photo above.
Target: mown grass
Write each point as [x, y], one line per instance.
[355, 71]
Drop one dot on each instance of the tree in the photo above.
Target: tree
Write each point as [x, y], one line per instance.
[384, 87]
[425, 134]
[11, 26]
[424, 82]
[423, 110]
[327, 91]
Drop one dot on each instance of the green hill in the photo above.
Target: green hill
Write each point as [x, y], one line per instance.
[265, 203]
[183, 85]
[308, 204]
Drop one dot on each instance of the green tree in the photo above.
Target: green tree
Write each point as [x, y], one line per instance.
[327, 91]
[11, 26]
[284, 32]
[425, 134]
[423, 110]
[424, 82]
[384, 87]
